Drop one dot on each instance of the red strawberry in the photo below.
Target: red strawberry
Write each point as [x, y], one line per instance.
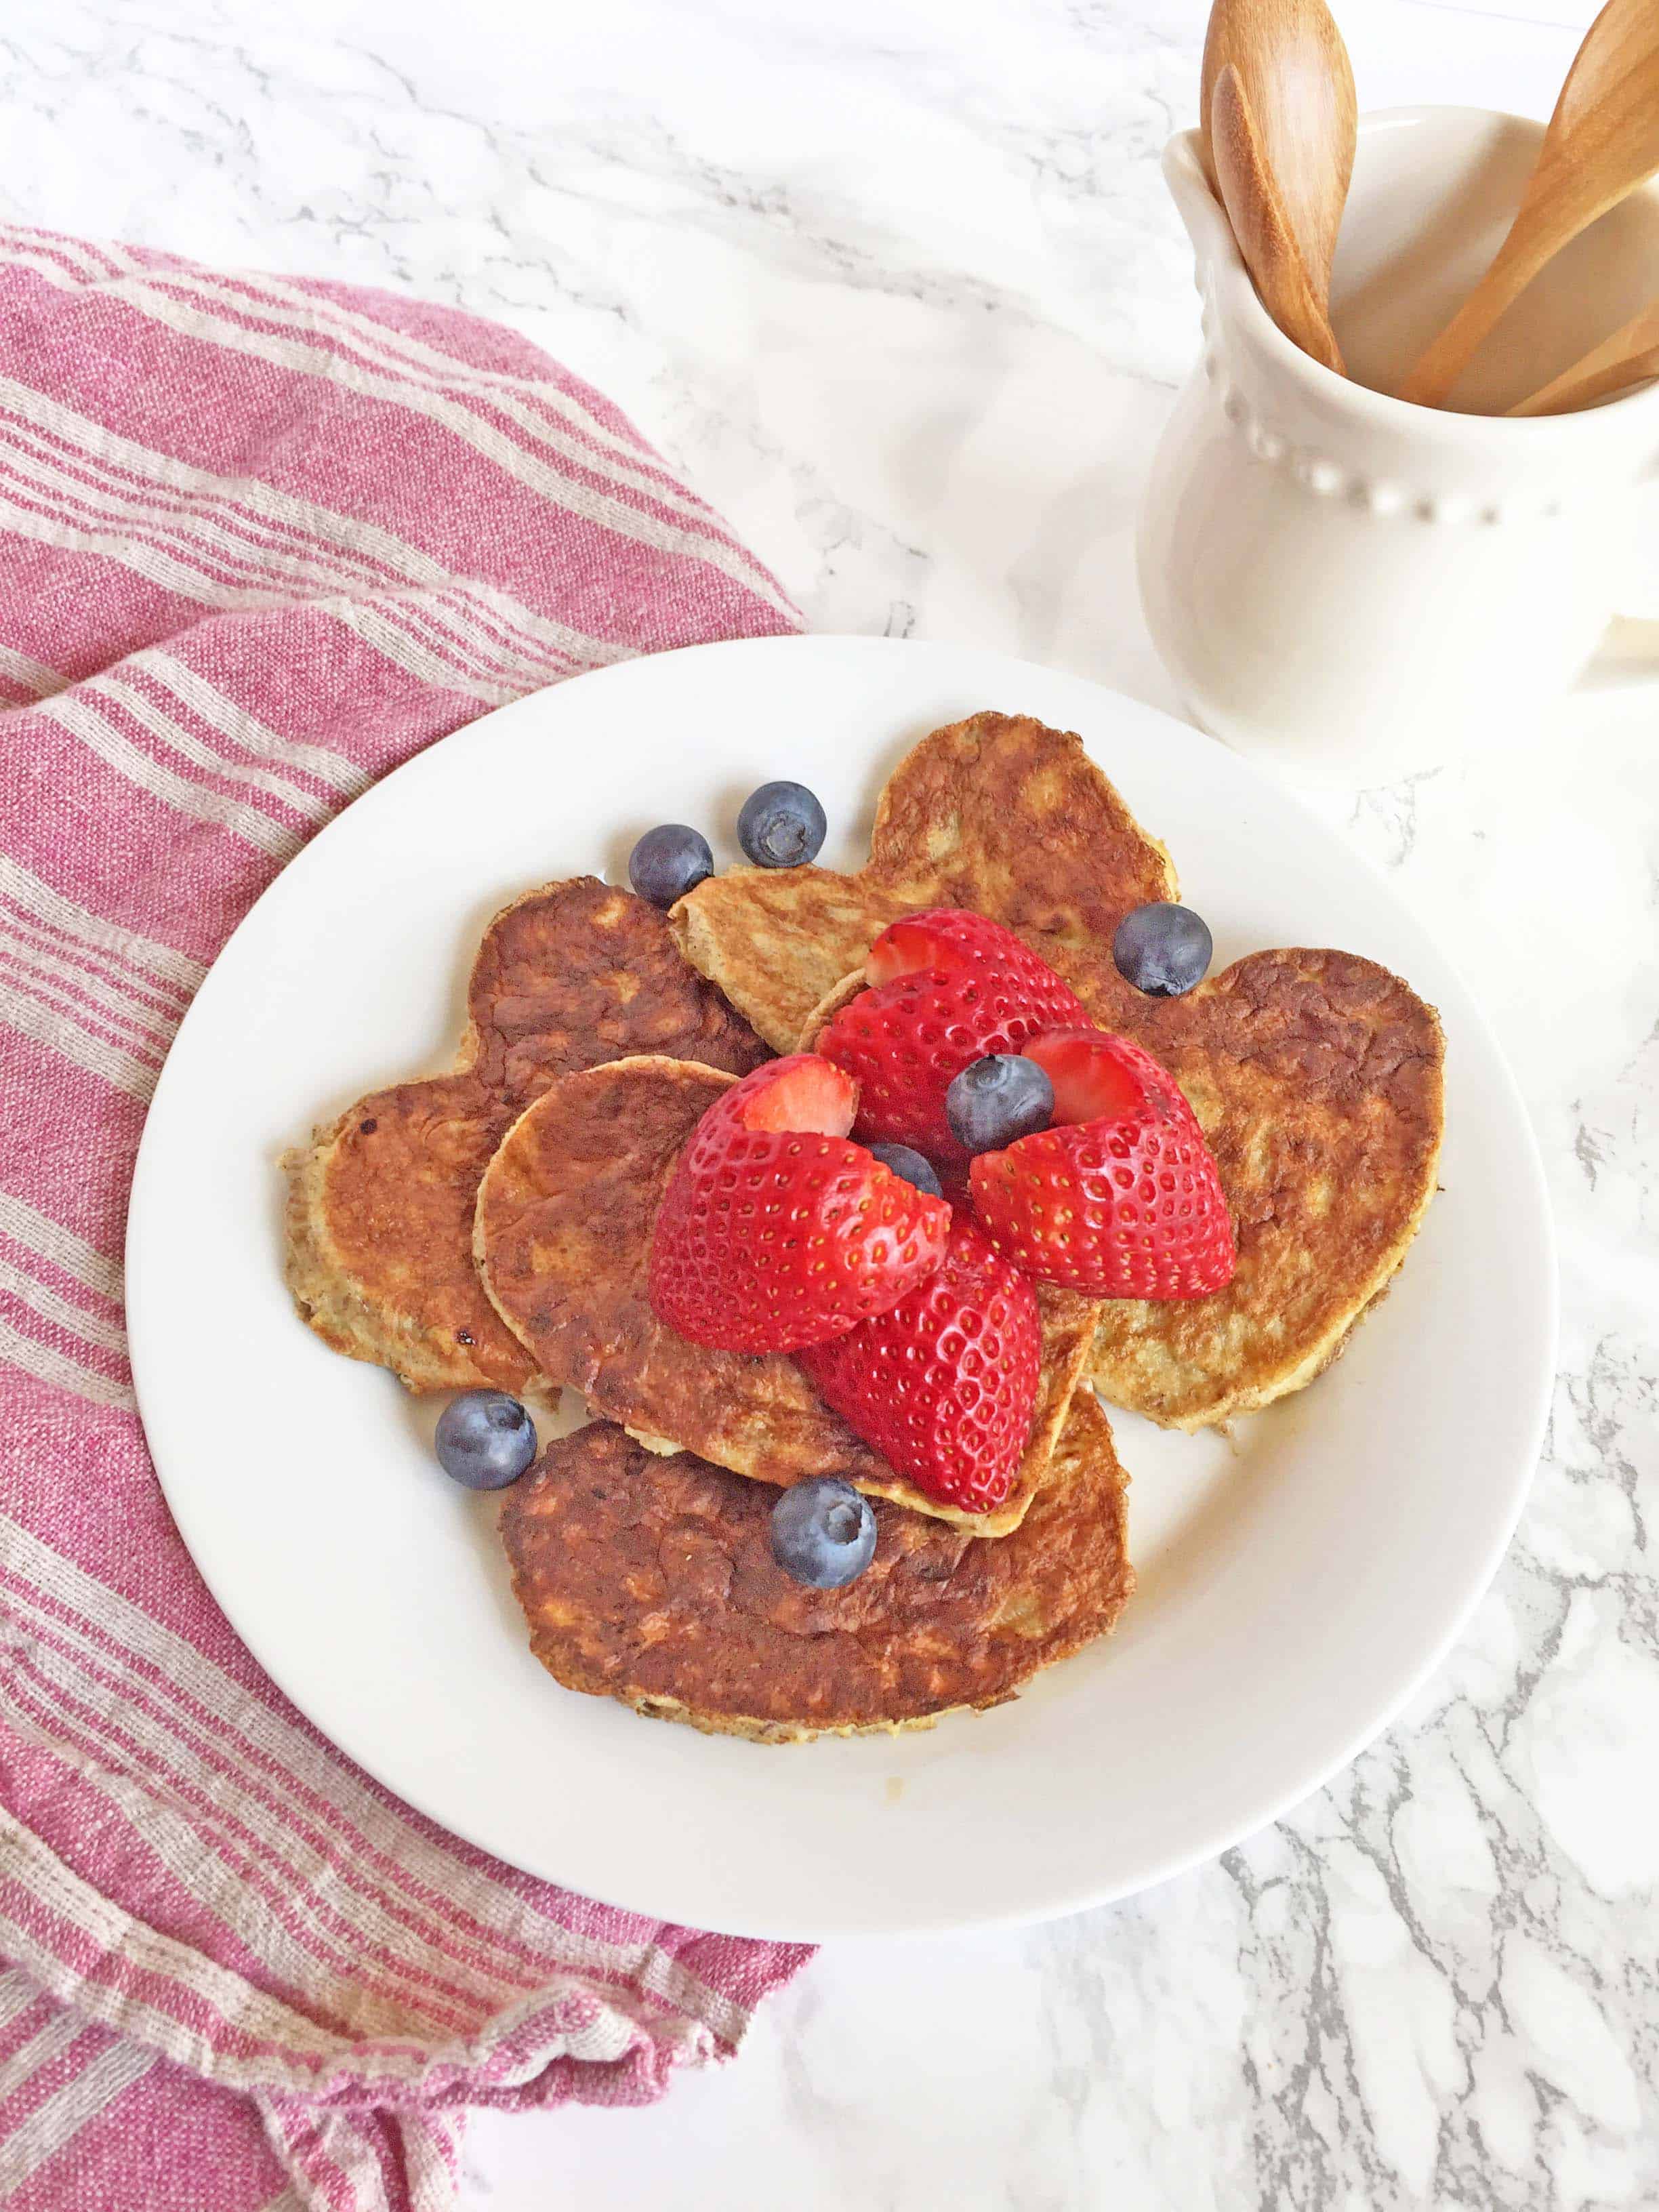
[1119, 1197]
[949, 938]
[775, 1231]
[949, 988]
[944, 1383]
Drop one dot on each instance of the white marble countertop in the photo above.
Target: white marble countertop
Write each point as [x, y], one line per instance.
[895, 284]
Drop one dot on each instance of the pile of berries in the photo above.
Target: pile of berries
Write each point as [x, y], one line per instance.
[882, 1208]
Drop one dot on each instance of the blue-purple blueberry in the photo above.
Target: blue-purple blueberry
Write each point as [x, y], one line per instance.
[823, 1532]
[996, 1100]
[484, 1440]
[1163, 949]
[913, 1166]
[782, 826]
[668, 862]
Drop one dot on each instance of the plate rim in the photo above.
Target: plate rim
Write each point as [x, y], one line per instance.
[1272, 1804]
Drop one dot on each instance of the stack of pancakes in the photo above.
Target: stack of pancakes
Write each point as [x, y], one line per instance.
[491, 1226]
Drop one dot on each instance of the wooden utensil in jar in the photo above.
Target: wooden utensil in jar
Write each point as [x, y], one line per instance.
[1630, 356]
[1249, 192]
[1297, 84]
[1603, 141]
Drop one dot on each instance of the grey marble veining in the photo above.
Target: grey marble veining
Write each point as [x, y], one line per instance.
[896, 286]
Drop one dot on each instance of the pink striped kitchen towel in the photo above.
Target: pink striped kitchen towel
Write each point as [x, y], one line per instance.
[259, 541]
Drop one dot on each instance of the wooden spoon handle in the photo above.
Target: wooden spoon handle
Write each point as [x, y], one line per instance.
[1264, 234]
[1516, 264]
[1571, 392]
[1627, 357]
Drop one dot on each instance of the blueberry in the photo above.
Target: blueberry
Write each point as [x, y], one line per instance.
[668, 862]
[996, 1099]
[1162, 949]
[905, 1161]
[485, 1440]
[782, 826]
[823, 1532]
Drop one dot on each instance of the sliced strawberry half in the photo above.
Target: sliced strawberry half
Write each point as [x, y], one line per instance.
[777, 1231]
[948, 986]
[1119, 1196]
[947, 938]
[943, 1385]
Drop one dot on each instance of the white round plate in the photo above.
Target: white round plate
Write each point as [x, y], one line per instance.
[1297, 1579]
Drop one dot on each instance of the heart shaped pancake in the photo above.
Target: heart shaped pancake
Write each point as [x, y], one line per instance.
[652, 1581]
[1316, 1075]
[381, 1202]
[565, 1215]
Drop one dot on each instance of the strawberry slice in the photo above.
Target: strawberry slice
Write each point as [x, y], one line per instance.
[1119, 1197]
[775, 1231]
[943, 1384]
[947, 938]
[948, 986]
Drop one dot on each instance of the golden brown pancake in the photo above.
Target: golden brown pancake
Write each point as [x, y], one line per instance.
[776, 940]
[381, 1202]
[565, 1215]
[1316, 1075]
[999, 814]
[652, 1581]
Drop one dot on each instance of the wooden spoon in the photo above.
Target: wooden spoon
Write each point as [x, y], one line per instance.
[1298, 83]
[1631, 356]
[1251, 194]
[1603, 141]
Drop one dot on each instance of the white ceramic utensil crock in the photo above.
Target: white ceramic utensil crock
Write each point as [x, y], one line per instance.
[1352, 588]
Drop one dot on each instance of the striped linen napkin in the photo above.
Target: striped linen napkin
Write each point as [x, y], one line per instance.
[259, 541]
